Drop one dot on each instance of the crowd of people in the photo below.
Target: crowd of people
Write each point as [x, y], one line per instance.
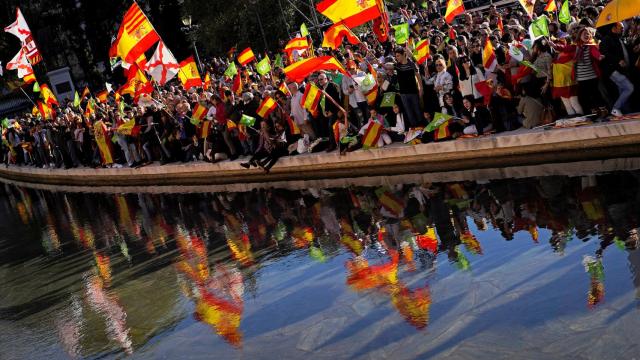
[516, 92]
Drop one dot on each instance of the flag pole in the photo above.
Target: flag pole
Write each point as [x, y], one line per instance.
[28, 97]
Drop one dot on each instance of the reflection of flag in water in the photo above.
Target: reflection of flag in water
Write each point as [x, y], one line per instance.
[413, 305]
[457, 191]
[407, 255]
[240, 249]
[591, 205]
[595, 269]
[348, 238]
[222, 314]
[390, 201]
[428, 240]
[363, 276]
[302, 236]
[103, 264]
[471, 243]
[462, 262]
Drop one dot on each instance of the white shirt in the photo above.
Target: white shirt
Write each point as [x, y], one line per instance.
[467, 87]
[357, 95]
[211, 114]
[399, 128]
[297, 111]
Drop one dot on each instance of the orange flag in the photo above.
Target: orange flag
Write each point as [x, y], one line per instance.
[301, 69]
[334, 36]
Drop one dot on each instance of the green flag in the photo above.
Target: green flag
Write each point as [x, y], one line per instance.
[76, 100]
[114, 138]
[36, 87]
[317, 254]
[424, 5]
[564, 16]
[5, 123]
[529, 64]
[323, 103]
[264, 66]
[231, 70]
[279, 63]
[388, 99]
[539, 28]
[462, 261]
[121, 108]
[401, 33]
[438, 119]
[247, 120]
[303, 30]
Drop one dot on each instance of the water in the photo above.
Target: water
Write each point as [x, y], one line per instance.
[531, 268]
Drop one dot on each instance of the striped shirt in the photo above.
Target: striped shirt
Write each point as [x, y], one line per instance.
[584, 67]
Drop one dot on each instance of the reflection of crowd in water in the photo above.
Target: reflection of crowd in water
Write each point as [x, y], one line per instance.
[389, 232]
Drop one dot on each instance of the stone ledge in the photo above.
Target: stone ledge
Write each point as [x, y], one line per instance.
[517, 148]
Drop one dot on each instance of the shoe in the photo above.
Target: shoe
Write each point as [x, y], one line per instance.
[245, 165]
[616, 113]
[253, 163]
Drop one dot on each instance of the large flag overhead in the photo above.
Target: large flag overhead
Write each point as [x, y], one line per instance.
[189, 75]
[336, 33]
[301, 69]
[162, 66]
[20, 29]
[454, 8]
[136, 35]
[351, 12]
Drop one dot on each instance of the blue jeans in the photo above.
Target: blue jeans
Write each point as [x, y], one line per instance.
[411, 104]
[625, 89]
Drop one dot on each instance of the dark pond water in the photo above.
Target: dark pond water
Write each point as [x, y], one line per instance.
[537, 268]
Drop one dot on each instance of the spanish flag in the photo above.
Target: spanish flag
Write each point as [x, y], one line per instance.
[47, 95]
[489, 56]
[283, 88]
[198, 113]
[267, 106]
[85, 92]
[311, 97]
[454, 8]
[295, 130]
[442, 132]
[29, 78]
[372, 135]
[207, 81]
[421, 53]
[46, 111]
[334, 36]
[189, 75]
[372, 94]
[136, 35]
[89, 109]
[102, 96]
[389, 201]
[237, 85]
[351, 12]
[301, 69]
[300, 43]
[551, 6]
[129, 128]
[246, 56]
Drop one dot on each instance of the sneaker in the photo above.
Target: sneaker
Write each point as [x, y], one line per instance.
[616, 112]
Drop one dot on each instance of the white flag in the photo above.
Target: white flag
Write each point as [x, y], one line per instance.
[20, 29]
[20, 63]
[109, 87]
[162, 66]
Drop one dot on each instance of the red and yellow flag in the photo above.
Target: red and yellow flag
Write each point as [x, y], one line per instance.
[89, 109]
[300, 43]
[267, 106]
[301, 69]
[389, 201]
[47, 95]
[198, 113]
[489, 56]
[528, 6]
[188, 74]
[454, 8]
[372, 135]
[311, 97]
[372, 94]
[421, 53]
[46, 111]
[351, 12]
[29, 78]
[283, 88]
[334, 36]
[207, 81]
[500, 25]
[551, 6]
[102, 96]
[129, 128]
[442, 132]
[246, 56]
[85, 92]
[136, 35]
[237, 85]
[295, 130]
